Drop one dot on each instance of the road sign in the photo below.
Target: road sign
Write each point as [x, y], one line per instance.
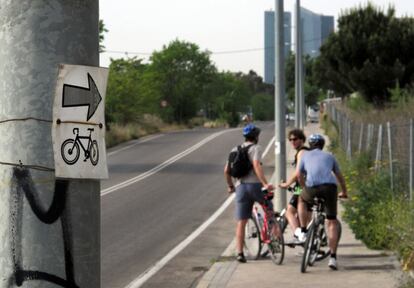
[78, 129]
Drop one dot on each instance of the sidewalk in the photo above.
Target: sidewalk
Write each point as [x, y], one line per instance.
[358, 266]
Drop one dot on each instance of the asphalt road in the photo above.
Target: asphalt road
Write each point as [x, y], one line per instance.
[177, 184]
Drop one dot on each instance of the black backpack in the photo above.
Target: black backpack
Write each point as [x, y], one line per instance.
[239, 163]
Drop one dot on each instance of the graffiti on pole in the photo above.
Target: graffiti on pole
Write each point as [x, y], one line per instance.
[23, 188]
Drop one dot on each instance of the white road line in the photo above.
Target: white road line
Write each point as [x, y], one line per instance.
[268, 146]
[162, 165]
[141, 279]
[134, 144]
[160, 264]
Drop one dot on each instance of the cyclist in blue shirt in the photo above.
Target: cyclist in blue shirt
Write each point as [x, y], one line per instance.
[322, 173]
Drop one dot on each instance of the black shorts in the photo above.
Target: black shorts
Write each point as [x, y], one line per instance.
[294, 202]
[329, 192]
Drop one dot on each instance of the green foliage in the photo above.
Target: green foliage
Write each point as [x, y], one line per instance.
[380, 217]
[311, 88]
[369, 52]
[263, 106]
[177, 75]
[125, 101]
[102, 31]
[179, 83]
[357, 103]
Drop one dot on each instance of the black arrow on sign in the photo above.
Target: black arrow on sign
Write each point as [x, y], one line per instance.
[74, 96]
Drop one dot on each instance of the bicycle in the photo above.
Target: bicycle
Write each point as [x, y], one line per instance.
[317, 236]
[259, 231]
[70, 148]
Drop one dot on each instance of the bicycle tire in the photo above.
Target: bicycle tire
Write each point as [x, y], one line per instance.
[252, 239]
[67, 152]
[308, 247]
[276, 245]
[317, 242]
[94, 153]
[283, 223]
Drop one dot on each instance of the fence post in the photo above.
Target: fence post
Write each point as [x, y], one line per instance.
[361, 135]
[378, 155]
[348, 138]
[369, 136]
[390, 156]
[411, 159]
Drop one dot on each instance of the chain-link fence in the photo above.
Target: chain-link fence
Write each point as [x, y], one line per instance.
[389, 144]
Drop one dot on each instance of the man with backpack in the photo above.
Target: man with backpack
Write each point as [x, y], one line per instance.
[244, 165]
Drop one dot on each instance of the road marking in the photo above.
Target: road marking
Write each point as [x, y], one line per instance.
[162, 165]
[138, 282]
[141, 279]
[268, 146]
[134, 144]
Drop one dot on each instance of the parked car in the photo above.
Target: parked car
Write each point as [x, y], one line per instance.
[313, 113]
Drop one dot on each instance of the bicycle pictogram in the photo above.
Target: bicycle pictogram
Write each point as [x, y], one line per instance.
[71, 148]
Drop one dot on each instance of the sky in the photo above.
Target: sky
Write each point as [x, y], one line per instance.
[233, 30]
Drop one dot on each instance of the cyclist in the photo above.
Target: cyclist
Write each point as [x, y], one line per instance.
[247, 188]
[297, 138]
[320, 168]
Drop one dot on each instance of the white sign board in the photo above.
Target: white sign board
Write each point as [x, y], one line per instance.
[78, 129]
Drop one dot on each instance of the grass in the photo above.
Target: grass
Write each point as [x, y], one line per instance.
[149, 124]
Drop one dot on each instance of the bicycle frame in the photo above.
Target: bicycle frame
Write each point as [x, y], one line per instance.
[267, 229]
[86, 150]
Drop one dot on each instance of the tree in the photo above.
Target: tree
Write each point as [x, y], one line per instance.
[125, 101]
[177, 76]
[102, 31]
[371, 51]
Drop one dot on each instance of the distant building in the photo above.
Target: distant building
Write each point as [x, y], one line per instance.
[315, 27]
[269, 43]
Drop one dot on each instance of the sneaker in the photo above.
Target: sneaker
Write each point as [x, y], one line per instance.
[297, 233]
[302, 237]
[241, 258]
[332, 263]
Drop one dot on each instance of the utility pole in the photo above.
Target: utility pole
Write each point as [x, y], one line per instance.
[300, 120]
[280, 126]
[50, 228]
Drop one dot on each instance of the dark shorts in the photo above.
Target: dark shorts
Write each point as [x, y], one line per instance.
[246, 195]
[294, 202]
[329, 192]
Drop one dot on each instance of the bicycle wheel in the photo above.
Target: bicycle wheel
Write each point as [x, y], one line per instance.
[70, 151]
[252, 239]
[94, 156]
[308, 247]
[317, 243]
[282, 222]
[276, 245]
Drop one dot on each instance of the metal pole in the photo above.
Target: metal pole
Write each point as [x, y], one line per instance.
[301, 74]
[298, 55]
[280, 142]
[361, 136]
[390, 156]
[50, 228]
[378, 155]
[349, 140]
[411, 159]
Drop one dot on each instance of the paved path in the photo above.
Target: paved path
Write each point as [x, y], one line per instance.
[358, 265]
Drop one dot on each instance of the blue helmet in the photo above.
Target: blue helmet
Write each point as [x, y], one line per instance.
[316, 141]
[251, 131]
